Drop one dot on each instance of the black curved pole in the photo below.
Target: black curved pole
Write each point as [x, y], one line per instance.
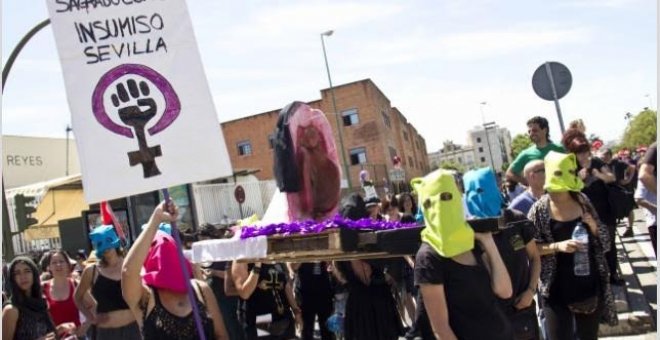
[8, 247]
[18, 48]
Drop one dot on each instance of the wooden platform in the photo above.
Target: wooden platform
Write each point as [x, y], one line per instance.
[341, 244]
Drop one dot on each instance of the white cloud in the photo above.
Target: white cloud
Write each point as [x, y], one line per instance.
[466, 46]
[599, 3]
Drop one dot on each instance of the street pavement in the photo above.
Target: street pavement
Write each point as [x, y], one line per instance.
[638, 265]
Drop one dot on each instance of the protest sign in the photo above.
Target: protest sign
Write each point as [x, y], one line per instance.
[141, 108]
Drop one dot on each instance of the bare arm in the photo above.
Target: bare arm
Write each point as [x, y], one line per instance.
[293, 269]
[337, 273]
[648, 205]
[525, 298]
[213, 308]
[245, 282]
[512, 176]
[628, 174]
[604, 174]
[131, 284]
[9, 321]
[410, 261]
[647, 178]
[568, 246]
[82, 296]
[436, 307]
[230, 287]
[288, 289]
[499, 276]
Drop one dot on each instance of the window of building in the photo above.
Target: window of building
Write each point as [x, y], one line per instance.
[481, 149]
[483, 159]
[460, 160]
[386, 119]
[358, 156]
[392, 152]
[244, 148]
[350, 117]
[478, 139]
[405, 136]
[271, 140]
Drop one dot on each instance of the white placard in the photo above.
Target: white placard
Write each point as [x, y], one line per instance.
[140, 104]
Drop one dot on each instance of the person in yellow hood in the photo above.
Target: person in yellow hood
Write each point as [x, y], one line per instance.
[458, 280]
[583, 299]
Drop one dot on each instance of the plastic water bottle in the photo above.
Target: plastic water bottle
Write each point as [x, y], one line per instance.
[581, 258]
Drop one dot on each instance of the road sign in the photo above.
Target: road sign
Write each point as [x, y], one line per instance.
[552, 81]
[397, 175]
[558, 77]
[239, 194]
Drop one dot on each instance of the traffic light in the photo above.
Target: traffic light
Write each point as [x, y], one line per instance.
[23, 211]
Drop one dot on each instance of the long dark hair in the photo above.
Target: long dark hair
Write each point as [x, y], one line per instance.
[60, 251]
[18, 298]
[402, 201]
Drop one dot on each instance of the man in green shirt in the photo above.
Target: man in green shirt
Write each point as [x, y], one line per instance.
[539, 132]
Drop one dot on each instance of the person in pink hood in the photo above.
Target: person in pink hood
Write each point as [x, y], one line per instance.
[159, 298]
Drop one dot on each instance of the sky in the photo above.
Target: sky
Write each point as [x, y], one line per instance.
[436, 61]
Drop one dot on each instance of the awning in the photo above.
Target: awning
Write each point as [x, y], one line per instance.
[57, 204]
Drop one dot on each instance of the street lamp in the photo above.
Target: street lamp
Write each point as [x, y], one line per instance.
[650, 100]
[334, 107]
[483, 122]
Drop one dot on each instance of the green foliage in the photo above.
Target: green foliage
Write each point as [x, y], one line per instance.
[452, 166]
[505, 166]
[641, 130]
[519, 143]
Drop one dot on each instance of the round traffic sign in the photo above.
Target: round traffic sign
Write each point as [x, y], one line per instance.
[560, 76]
[239, 194]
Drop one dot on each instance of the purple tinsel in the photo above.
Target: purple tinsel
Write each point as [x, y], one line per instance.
[312, 227]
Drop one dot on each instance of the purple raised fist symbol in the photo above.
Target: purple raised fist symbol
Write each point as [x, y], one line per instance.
[133, 101]
[137, 118]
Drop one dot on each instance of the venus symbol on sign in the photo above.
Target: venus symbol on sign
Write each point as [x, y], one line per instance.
[134, 103]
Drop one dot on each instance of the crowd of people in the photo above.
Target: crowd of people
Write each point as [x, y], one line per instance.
[516, 280]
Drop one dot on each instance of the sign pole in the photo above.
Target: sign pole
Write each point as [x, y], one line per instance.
[554, 94]
[186, 276]
[239, 195]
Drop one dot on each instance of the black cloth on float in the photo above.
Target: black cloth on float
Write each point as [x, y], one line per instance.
[285, 166]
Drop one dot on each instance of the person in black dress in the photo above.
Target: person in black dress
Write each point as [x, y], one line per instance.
[596, 175]
[371, 311]
[315, 293]
[264, 289]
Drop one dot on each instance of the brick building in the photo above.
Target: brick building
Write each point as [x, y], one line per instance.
[373, 132]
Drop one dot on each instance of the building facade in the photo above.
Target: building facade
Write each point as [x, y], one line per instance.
[461, 155]
[492, 146]
[28, 160]
[373, 132]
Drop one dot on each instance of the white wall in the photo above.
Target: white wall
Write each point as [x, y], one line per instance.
[28, 160]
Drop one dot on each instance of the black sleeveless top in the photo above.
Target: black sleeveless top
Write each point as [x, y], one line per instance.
[32, 325]
[269, 297]
[107, 293]
[160, 324]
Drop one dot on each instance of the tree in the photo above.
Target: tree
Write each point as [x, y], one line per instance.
[451, 165]
[519, 143]
[641, 130]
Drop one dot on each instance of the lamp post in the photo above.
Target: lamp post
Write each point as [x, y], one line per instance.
[68, 129]
[483, 122]
[650, 101]
[7, 239]
[334, 107]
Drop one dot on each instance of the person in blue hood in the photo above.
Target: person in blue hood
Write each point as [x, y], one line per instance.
[515, 242]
